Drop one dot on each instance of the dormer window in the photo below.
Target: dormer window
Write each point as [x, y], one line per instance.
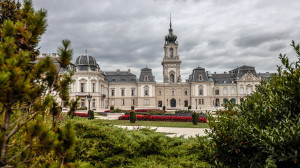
[200, 78]
[146, 78]
[171, 52]
[146, 91]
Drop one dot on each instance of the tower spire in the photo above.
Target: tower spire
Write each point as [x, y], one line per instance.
[170, 21]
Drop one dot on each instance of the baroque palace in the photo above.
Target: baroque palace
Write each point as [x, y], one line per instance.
[123, 89]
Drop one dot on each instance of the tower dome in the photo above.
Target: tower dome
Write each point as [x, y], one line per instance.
[170, 38]
[86, 62]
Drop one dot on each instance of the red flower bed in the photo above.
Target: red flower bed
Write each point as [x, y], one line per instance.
[146, 110]
[81, 114]
[162, 118]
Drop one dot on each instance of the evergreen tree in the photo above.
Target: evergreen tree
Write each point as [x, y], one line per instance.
[30, 87]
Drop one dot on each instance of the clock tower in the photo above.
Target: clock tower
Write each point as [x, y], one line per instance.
[171, 62]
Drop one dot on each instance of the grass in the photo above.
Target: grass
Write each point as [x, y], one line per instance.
[156, 124]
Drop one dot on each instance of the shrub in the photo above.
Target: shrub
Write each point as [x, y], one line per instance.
[132, 117]
[82, 108]
[182, 111]
[263, 131]
[164, 108]
[112, 108]
[195, 118]
[190, 107]
[132, 107]
[92, 113]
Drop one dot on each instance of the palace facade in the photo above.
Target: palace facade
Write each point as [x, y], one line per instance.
[123, 89]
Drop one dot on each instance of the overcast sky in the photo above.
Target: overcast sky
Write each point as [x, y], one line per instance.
[218, 35]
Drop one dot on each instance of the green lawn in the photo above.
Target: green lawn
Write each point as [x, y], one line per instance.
[157, 123]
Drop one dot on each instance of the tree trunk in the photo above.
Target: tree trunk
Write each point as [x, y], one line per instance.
[5, 137]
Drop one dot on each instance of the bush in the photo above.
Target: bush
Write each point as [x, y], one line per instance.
[190, 107]
[264, 130]
[132, 117]
[112, 108]
[82, 108]
[92, 113]
[132, 107]
[156, 112]
[195, 118]
[164, 108]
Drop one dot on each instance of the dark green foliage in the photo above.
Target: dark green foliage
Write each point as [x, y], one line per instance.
[264, 130]
[112, 108]
[73, 107]
[92, 113]
[31, 119]
[132, 107]
[195, 118]
[182, 111]
[164, 107]
[190, 107]
[106, 146]
[132, 117]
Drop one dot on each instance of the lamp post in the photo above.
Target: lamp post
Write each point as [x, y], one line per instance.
[89, 112]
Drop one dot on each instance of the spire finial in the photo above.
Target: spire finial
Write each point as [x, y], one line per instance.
[86, 52]
[170, 21]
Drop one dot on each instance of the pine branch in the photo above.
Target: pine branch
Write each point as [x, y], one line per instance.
[18, 154]
[17, 127]
[20, 119]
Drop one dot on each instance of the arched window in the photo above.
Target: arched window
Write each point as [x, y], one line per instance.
[225, 91]
[233, 101]
[241, 90]
[249, 90]
[233, 90]
[171, 52]
[146, 78]
[217, 91]
[146, 91]
[172, 78]
[200, 91]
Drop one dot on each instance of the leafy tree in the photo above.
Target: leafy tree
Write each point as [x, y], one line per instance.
[264, 130]
[31, 90]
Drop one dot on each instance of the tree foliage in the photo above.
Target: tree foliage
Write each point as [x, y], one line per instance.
[31, 89]
[264, 130]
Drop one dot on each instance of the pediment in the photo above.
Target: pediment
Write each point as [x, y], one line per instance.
[249, 77]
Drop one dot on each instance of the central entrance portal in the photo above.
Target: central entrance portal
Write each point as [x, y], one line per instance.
[173, 103]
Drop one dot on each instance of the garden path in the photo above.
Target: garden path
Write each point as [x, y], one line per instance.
[172, 131]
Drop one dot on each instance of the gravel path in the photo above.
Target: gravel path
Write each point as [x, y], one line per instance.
[173, 131]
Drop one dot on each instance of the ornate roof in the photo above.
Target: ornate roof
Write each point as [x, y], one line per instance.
[86, 60]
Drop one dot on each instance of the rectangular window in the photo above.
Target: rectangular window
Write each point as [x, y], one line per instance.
[123, 102]
[159, 103]
[202, 101]
[122, 92]
[217, 92]
[159, 93]
[82, 103]
[112, 92]
[132, 102]
[94, 103]
[172, 93]
[200, 91]
[132, 92]
[185, 93]
[199, 101]
[94, 88]
[186, 103]
[82, 87]
[146, 92]
[112, 102]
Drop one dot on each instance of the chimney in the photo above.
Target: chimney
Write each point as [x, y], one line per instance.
[53, 54]
[128, 71]
[225, 72]
[118, 71]
[153, 78]
[215, 72]
[44, 54]
[206, 72]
